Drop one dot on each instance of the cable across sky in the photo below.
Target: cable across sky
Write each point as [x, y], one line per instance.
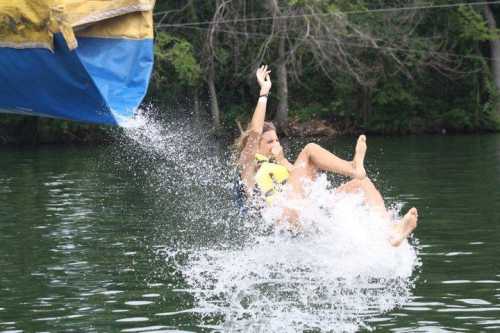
[352, 12]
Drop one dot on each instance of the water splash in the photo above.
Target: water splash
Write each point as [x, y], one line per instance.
[333, 276]
[338, 272]
[181, 161]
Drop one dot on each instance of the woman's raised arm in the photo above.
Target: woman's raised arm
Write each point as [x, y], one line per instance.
[259, 114]
[247, 155]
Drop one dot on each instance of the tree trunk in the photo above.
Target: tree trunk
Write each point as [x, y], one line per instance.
[281, 117]
[196, 89]
[495, 51]
[196, 106]
[214, 104]
[366, 107]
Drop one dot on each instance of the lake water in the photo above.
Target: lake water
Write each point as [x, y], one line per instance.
[143, 236]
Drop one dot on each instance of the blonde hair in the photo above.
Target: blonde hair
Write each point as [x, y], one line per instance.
[241, 142]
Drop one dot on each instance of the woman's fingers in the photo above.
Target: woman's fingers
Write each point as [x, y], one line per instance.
[263, 74]
[259, 74]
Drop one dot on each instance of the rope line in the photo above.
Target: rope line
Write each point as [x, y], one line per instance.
[388, 48]
[352, 12]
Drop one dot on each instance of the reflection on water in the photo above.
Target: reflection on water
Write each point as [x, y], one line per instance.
[140, 238]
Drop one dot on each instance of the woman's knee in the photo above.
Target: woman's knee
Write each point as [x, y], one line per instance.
[308, 151]
[310, 148]
[366, 182]
[305, 154]
[357, 184]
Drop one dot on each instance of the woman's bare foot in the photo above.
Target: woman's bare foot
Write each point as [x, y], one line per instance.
[359, 158]
[404, 228]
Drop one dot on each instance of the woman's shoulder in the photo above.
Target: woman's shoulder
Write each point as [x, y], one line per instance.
[250, 146]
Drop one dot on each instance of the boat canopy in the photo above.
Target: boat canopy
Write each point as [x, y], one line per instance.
[82, 60]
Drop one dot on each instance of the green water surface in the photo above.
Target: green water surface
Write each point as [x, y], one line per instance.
[79, 228]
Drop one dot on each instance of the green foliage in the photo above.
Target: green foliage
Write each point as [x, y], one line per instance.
[393, 94]
[223, 55]
[490, 118]
[422, 100]
[237, 113]
[456, 119]
[495, 124]
[16, 129]
[316, 111]
[179, 54]
[474, 26]
[296, 2]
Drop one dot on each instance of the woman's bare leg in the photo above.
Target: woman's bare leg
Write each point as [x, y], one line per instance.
[314, 158]
[405, 227]
[373, 198]
[322, 159]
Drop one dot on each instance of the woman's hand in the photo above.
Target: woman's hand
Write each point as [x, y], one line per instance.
[277, 151]
[264, 79]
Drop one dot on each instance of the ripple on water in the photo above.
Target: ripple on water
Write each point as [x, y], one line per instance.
[464, 309]
[138, 303]
[470, 281]
[132, 320]
[454, 254]
[86, 308]
[74, 316]
[417, 308]
[489, 322]
[188, 311]
[78, 263]
[474, 301]
[112, 292]
[154, 329]
[47, 319]
[456, 281]
[422, 306]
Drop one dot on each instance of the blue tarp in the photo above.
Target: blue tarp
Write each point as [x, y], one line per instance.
[102, 81]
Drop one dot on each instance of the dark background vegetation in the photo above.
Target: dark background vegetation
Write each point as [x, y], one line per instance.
[344, 63]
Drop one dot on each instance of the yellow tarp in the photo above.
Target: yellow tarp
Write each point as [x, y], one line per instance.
[32, 23]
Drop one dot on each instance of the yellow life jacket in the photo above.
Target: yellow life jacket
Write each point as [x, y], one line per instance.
[269, 176]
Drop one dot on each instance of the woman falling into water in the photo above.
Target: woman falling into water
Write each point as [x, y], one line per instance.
[262, 165]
